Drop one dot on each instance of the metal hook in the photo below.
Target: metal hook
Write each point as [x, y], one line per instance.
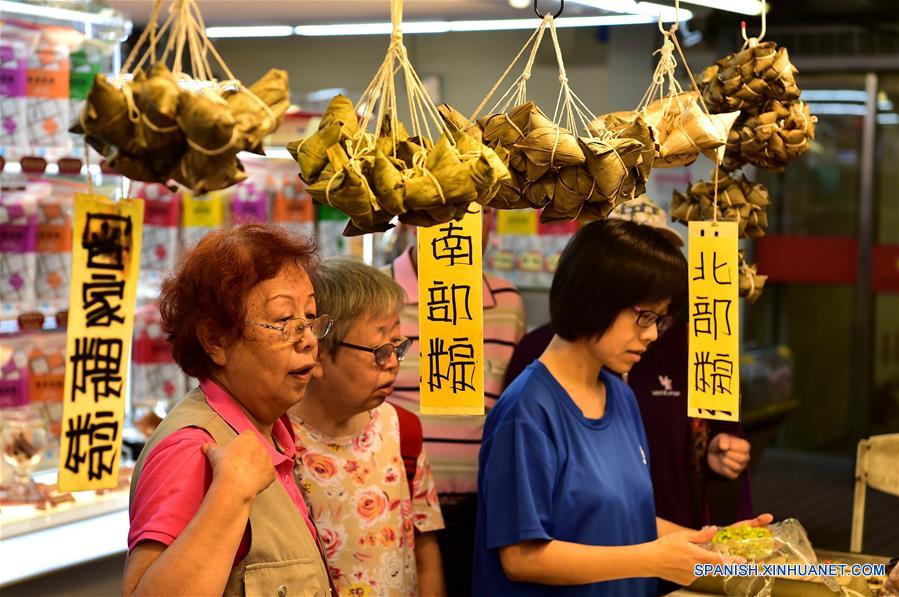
[764, 27]
[555, 16]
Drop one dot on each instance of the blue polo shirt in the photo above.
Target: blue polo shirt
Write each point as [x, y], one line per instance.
[549, 472]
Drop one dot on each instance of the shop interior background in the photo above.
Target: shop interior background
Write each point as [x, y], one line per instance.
[821, 347]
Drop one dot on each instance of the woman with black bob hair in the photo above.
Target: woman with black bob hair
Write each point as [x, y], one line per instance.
[609, 267]
[565, 503]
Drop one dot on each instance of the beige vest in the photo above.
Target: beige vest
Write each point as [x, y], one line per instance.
[284, 558]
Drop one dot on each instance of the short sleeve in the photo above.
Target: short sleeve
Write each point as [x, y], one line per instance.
[426, 514]
[172, 485]
[518, 480]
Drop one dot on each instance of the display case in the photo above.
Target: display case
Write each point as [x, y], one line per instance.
[50, 53]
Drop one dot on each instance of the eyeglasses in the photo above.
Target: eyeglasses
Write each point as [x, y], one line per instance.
[384, 351]
[646, 318]
[292, 329]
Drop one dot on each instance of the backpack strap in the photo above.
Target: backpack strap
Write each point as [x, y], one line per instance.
[411, 442]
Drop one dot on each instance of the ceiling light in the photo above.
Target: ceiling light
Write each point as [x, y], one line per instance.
[263, 31]
[411, 27]
[631, 7]
[519, 3]
[743, 7]
[835, 95]
[746, 7]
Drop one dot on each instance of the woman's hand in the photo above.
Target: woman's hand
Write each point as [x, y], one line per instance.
[728, 455]
[243, 465]
[674, 556]
[762, 520]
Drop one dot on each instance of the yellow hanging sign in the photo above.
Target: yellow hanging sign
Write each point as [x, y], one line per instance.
[451, 317]
[105, 263]
[714, 347]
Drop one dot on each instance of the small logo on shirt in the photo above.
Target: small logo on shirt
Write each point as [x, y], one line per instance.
[667, 387]
[643, 455]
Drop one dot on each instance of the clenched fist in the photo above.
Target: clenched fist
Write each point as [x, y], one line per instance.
[728, 455]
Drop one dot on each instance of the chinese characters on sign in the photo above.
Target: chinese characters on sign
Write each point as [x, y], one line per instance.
[451, 306]
[714, 359]
[105, 263]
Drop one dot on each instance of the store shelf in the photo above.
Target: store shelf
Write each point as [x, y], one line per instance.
[102, 23]
[20, 520]
[41, 552]
[39, 542]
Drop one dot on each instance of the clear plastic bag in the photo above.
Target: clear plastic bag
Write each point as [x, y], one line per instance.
[789, 544]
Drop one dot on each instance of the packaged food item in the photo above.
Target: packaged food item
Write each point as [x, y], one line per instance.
[54, 248]
[248, 202]
[751, 282]
[46, 366]
[156, 381]
[774, 126]
[749, 543]
[18, 239]
[159, 125]
[200, 215]
[47, 102]
[85, 64]
[372, 177]
[13, 92]
[292, 205]
[159, 241]
[331, 224]
[738, 200]
[154, 122]
[14, 371]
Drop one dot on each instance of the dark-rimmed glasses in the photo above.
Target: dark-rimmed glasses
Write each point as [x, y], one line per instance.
[292, 330]
[647, 318]
[385, 351]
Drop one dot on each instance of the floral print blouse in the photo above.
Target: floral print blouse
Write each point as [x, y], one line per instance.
[358, 497]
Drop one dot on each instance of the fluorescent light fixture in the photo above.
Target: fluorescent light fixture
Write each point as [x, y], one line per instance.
[834, 95]
[630, 13]
[631, 7]
[411, 27]
[105, 17]
[888, 119]
[255, 31]
[847, 95]
[520, 4]
[743, 7]
[746, 7]
[845, 109]
[837, 109]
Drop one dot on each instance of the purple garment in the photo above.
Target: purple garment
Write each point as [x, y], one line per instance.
[659, 381]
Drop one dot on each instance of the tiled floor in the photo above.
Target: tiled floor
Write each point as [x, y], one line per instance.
[818, 490]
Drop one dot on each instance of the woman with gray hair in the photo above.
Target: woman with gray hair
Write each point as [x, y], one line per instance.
[373, 501]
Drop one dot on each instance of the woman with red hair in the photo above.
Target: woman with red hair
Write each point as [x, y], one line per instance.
[215, 508]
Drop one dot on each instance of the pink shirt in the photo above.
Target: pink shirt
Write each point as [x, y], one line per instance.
[453, 442]
[177, 475]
